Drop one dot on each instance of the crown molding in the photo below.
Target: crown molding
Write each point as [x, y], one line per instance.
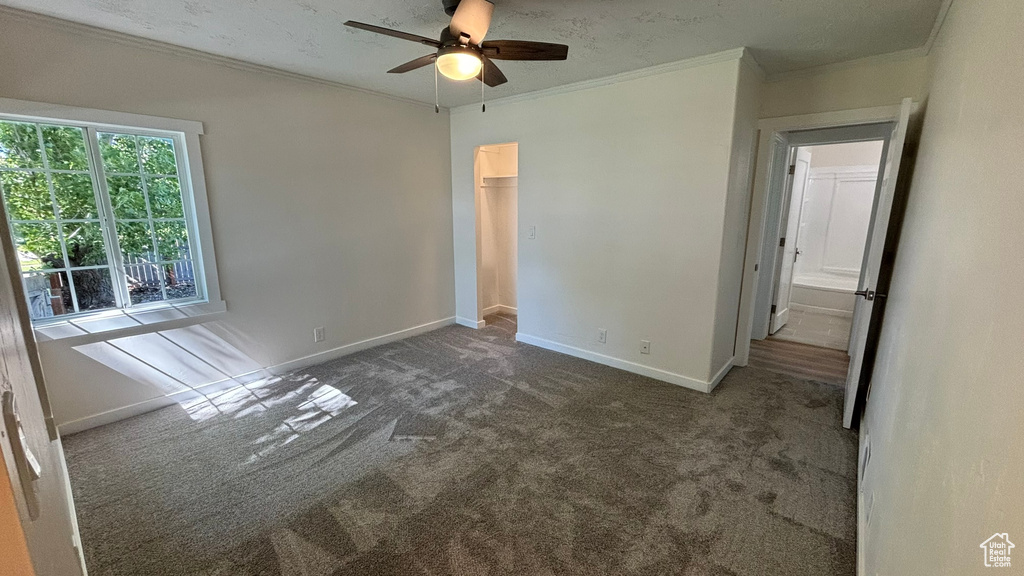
[742, 54]
[937, 27]
[190, 53]
[752, 63]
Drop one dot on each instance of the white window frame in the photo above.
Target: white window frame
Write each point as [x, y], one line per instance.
[185, 135]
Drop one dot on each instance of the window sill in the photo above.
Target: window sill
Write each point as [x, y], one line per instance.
[124, 323]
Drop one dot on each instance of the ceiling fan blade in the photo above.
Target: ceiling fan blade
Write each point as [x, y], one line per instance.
[414, 64]
[492, 75]
[472, 19]
[394, 33]
[524, 50]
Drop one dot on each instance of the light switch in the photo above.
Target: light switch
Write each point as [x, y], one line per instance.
[533, 233]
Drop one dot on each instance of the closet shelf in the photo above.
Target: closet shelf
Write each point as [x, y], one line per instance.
[510, 181]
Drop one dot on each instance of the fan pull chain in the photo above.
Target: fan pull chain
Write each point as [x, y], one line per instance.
[483, 106]
[437, 107]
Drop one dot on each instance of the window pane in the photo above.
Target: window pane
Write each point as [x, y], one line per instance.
[48, 188]
[165, 197]
[27, 195]
[141, 272]
[180, 280]
[94, 289]
[118, 152]
[84, 242]
[65, 148]
[136, 241]
[143, 281]
[172, 240]
[127, 197]
[75, 197]
[48, 294]
[38, 246]
[19, 146]
[157, 155]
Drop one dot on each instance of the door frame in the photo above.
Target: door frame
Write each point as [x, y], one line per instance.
[791, 131]
[779, 196]
[478, 199]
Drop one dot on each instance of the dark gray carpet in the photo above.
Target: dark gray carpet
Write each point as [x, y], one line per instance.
[462, 452]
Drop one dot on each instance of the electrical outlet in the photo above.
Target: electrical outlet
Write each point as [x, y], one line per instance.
[645, 346]
[318, 334]
[602, 335]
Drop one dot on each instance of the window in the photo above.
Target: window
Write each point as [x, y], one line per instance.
[101, 219]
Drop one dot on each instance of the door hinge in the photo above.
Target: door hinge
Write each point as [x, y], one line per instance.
[782, 242]
[773, 308]
[792, 169]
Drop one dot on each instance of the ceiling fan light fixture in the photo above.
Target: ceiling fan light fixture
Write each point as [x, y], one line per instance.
[459, 63]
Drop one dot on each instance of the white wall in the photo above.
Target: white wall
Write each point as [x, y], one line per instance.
[737, 216]
[878, 81]
[497, 194]
[330, 207]
[836, 233]
[943, 419]
[508, 245]
[487, 241]
[835, 214]
[627, 185]
[847, 154]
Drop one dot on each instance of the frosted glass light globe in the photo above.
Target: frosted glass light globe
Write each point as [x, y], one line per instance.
[459, 65]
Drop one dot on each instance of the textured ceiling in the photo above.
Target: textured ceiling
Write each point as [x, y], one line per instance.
[605, 37]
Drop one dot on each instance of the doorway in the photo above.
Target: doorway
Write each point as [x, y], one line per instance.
[497, 189]
[823, 241]
[822, 238]
[782, 195]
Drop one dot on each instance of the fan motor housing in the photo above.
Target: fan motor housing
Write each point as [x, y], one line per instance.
[448, 39]
[454, 48]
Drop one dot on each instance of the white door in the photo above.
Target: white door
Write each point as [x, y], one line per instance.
[33, 459]
[801, 169]
[873, 261]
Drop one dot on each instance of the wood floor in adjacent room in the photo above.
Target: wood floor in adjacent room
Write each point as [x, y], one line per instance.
[799, 360]
[462, 452]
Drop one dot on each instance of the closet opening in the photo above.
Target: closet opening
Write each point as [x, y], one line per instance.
[497, 190]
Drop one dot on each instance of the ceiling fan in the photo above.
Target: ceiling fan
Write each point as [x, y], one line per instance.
[461, 51]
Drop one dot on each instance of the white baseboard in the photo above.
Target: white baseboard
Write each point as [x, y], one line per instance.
[500, 308]
[75, 426]
[476, 325]
[159, 402]
[347, 349]
[717, 378]
[213, 388]
[820, 310]
[650, 372]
